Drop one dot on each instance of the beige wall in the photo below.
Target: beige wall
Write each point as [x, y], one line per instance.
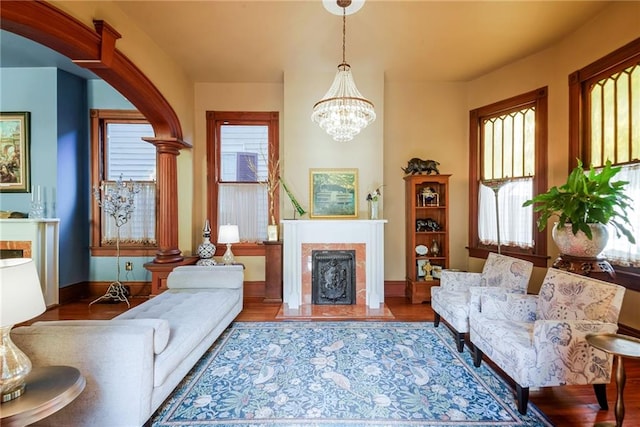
[429, 121]
[613, 28]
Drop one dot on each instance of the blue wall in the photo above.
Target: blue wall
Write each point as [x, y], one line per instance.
[33, 90]
[73, 178]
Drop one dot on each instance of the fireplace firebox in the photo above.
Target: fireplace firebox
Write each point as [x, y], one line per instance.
[333, 277]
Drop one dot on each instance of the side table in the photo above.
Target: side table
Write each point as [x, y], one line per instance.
[48, 390]
[620, 346]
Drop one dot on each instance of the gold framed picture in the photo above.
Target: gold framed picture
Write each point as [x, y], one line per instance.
[333, 193]
[15, 174]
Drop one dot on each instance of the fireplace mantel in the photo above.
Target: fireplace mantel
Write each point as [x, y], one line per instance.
[298, 232]
[38, 238]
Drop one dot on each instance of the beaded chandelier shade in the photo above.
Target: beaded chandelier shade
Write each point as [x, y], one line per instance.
[343, 111]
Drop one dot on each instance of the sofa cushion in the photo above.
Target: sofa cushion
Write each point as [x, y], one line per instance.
[160, 327]
[192, 314]
[206, 277]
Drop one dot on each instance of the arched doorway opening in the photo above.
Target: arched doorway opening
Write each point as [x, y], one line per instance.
[95, 49]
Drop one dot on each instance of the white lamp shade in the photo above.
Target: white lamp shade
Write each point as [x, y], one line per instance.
[21, 296]
[228, 234]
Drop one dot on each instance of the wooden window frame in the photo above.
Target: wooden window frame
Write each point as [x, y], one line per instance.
[99, 119]
[579, 120]
[214, 119]
[538, 98]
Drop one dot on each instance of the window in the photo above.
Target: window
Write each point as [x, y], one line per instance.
[604, 125]
[242, 149]
[508, 161]
[118, 151]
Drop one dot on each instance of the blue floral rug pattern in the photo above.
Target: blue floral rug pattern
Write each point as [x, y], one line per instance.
[341, 374]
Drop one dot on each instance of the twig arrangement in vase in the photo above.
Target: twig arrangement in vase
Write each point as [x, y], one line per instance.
[271, 184]
[117, 202]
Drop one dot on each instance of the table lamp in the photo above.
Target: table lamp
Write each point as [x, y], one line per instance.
[228, 234]
[20, 300]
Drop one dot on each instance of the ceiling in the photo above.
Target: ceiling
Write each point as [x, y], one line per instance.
[418, 40]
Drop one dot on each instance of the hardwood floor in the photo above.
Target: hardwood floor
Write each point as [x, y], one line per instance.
[564, 406]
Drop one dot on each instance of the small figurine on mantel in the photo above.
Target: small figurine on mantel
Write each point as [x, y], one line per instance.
[206, 249]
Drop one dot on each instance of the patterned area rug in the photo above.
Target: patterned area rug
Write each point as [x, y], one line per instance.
[341, 374]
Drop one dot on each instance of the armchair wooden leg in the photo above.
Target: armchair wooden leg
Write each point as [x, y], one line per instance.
[601, 395]
[522, 394]
[477, 356]
[436, 319]
[459, 341]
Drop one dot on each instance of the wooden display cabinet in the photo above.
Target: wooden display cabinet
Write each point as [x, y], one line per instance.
[427, 216]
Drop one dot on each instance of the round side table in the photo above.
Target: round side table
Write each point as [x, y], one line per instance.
[48, 390]
[620, 346]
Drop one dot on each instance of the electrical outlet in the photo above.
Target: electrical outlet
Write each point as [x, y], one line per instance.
[128, 266]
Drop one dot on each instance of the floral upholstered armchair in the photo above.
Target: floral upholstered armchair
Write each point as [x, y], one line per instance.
[458, 290]
[539, 340]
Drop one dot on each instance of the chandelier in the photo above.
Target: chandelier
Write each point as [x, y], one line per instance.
[343, 112]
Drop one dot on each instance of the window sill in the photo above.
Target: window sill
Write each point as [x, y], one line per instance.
[241, 249]
[537, 260]
[147, 251]
[628, 277]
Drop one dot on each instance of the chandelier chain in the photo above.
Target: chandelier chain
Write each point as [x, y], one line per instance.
[344, 34]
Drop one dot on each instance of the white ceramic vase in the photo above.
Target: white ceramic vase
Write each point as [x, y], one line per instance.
[579, 245]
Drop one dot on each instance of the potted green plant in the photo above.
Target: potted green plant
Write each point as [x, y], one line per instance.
[584, 205]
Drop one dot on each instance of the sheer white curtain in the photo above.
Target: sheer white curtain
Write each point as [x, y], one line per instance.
[515, 220]
[141, 227]
[619, 250]
[246, 206]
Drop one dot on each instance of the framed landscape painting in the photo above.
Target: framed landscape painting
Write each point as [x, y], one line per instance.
[14, 152]
[333, 193]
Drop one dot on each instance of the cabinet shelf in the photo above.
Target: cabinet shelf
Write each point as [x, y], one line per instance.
[419, 216]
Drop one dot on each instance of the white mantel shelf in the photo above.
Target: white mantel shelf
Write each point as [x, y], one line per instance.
[44, 237]
[297, 232]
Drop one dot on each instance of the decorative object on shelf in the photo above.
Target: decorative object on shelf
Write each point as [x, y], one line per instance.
[421, 263]
[206, 249]
[585, 201]
[429, 197]
[428, 224]
[373, 198]
[118, 202]
[294, 201]
[228, 234]
[272, 233]
[343, 111]
[422, 250]
[15, 167]
[435, 248]
[37, 206]
[373, 209]
[427, 267]
[416, 165]
[21, 299]
[437, 271]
